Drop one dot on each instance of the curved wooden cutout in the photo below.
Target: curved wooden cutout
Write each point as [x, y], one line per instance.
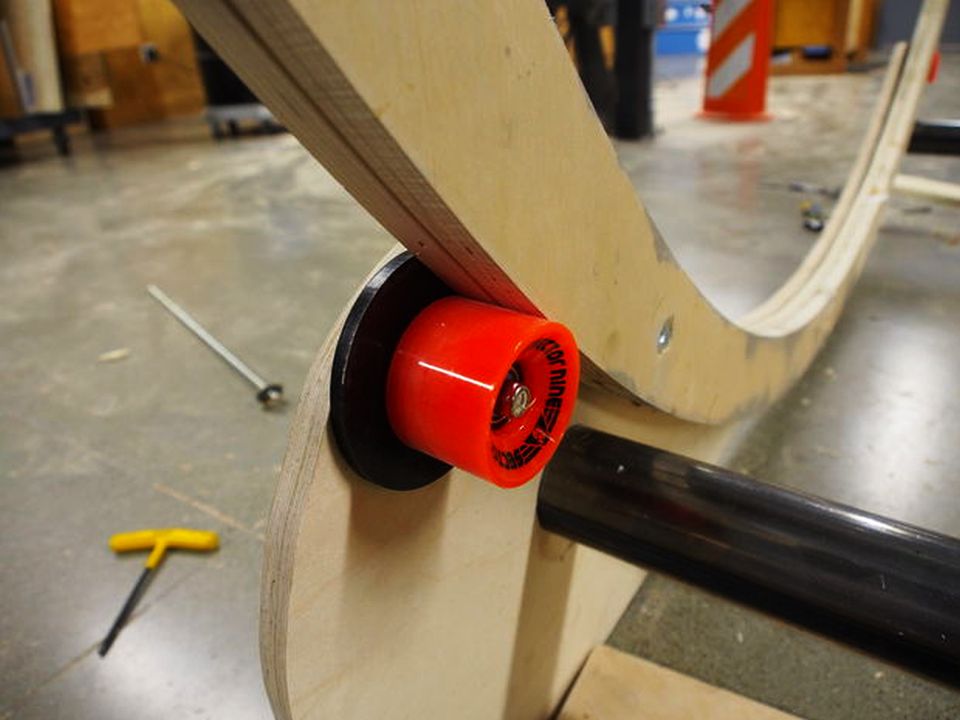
[463, 128]
[441, 602]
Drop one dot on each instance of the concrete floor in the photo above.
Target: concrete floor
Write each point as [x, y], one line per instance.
[264, 247]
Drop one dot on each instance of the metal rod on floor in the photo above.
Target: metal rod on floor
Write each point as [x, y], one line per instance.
[131, 602]
[881, 585]
[267, 393]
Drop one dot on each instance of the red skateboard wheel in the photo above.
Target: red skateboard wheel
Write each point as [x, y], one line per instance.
[483, 388]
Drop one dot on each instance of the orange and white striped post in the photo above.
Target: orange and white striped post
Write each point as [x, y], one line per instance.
[738, 61]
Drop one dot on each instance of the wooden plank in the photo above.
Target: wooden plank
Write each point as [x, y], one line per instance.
[136, 98]
[175, 74]
[147, 92]
[97, 41]
[865, 30]
[938, 190]
[854, 25]
[92, 26]
[460, 165]
[797, 63]
[802, 23]
[810, 22]
[86, 80]
[857, 227]
[831, 235]
[9, 99]
[617, 686]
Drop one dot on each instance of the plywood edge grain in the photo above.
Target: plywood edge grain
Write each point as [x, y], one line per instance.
[616, 686]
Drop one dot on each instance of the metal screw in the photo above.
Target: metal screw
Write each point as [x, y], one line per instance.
[665, 334]
[513, 401]
[520, 399]
[269, 394]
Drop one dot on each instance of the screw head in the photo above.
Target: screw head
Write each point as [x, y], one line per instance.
[665, 335]
[271, 396]
[520, 399]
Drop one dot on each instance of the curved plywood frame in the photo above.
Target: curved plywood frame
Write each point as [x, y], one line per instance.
[445, 602]
[463, 129]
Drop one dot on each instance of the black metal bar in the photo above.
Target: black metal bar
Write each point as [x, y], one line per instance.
[132, 599]
[881, 585]
[586, 18]
[935, 137]
[55, 122]
[633, 65]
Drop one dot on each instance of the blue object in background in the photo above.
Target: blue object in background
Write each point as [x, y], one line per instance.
[685, 29]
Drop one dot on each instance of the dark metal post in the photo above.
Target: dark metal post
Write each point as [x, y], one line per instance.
[633, 65]
[935, 137]
[884, 586]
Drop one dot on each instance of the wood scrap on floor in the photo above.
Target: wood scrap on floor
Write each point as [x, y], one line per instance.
[616, 686]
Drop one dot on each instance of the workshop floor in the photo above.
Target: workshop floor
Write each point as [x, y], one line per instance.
[265, 248]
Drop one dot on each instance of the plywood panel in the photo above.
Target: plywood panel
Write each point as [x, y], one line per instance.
[86, 81]
[91, 26]
[9, 101]
[151, 91]
[175, 74]
[810, 22]
[136, 98]
[617, 686]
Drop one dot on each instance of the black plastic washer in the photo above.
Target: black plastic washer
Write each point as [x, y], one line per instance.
[385, 308]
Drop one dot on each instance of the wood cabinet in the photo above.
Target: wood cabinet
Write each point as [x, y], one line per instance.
[130, 61]
[93, 26]
[820, 36]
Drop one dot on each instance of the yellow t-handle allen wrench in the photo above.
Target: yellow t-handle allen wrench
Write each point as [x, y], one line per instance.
[157, 542]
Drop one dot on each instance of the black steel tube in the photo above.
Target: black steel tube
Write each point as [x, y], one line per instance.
[633, 66]
[884, 586]
[935, 137]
